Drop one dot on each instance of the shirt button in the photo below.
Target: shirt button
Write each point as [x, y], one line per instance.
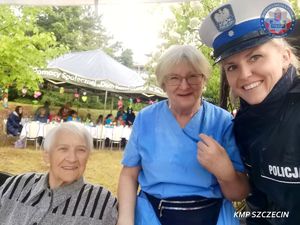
[49, 194]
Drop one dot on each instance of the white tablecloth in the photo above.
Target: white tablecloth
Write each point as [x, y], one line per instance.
[25, 130]
[108, 132]
[126, 131]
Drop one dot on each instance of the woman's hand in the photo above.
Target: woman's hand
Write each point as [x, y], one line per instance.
[214, 158]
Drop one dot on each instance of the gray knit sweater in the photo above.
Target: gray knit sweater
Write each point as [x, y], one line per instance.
[27, 200]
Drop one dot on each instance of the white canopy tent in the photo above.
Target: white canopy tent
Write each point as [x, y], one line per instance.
[97, 66]
[93, 69]
[96, 70]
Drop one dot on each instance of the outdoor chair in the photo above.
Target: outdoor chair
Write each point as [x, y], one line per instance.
[32, 132]
[100, 139]
[126, 133]
[7, 136]
[116, 137]
[47, 128]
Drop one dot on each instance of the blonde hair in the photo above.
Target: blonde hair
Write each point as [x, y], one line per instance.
[282, 43]
[177, 54]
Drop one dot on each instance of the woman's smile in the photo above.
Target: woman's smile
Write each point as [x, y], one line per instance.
[252, 85]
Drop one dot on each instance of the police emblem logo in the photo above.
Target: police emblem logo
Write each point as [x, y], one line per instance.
[223, 18]
[278, 19]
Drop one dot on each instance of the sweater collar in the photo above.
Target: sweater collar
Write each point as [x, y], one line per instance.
[59, 194]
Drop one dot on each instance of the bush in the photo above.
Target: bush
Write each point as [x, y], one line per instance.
[58, 99]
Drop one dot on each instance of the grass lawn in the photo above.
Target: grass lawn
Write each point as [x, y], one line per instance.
[103, 167]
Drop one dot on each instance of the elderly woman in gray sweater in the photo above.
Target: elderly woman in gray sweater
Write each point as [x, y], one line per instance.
[61, 196]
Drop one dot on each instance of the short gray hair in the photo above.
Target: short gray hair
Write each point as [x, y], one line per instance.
[177, 54]
[71, 127]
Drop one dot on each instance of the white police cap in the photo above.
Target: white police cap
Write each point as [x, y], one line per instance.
[236, 26]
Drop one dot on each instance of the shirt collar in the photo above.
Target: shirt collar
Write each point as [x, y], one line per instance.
[192, 128]
[16, 114]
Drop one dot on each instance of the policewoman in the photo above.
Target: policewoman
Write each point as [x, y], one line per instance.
[184, 177]
[261, 68]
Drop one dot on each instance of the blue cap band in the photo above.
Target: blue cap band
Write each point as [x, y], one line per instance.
[237, 31]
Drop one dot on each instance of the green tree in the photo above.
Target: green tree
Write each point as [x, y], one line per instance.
[126, 58]
[80, 29]
[76, 27]
[296, 7]
[182, 28]
[23, 47]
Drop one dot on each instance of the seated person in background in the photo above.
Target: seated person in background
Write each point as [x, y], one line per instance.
[120, 121]
[130, 117]
[109, 119]
[99, 120]
[64, 111]
[88, 119]
[54, 118]
[41, 116]
[73, 116]
[120, 112]
[61, 196]
[13, 125]
[46, 106]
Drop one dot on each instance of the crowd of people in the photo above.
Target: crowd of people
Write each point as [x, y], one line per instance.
[187, 159]
[43, 114]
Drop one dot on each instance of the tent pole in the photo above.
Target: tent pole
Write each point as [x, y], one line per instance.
[112, 104]
[105, 100]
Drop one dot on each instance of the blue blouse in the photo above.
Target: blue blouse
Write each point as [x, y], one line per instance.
[167, 153]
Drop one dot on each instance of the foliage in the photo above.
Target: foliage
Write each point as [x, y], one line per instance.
[31, 36]
[58, 99]
[181, 29]
[126, 58]
[76, 27]
[80, 29]
[23, 47]
[296, 7]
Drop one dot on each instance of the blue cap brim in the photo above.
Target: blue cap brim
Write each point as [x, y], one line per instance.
[251, 40]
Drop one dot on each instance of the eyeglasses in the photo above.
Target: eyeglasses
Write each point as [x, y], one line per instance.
[175, 80]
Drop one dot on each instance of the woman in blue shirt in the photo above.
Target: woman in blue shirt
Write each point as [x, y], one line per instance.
[184, 178]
